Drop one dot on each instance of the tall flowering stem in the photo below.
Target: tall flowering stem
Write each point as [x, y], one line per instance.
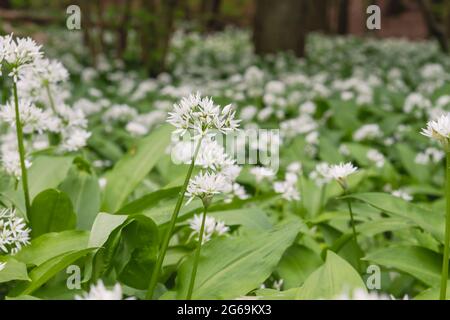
[197, 255]
[165, 243]
[21, 147]
[50, 97]
[444, 276]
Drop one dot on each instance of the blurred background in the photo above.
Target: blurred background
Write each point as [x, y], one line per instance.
[139, 31]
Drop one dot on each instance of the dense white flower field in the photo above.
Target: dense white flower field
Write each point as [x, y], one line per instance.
[117, 186]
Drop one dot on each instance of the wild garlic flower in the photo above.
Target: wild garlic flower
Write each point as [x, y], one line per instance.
[262, 173]
[2, 266]
[320, 174]
[295, 167]
[33, 119]
[340, 172]
[288, 187]
[212, 227]
[205, 185]
[74, 139]
[201, 116]
[429, 155]
[11, 163]
[439, 130]
[19, 54]
[376, 157]
[100, 292]
[368, 132]
[14, 233]
[402, 194]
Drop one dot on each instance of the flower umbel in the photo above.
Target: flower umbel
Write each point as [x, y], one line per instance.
[13, 232]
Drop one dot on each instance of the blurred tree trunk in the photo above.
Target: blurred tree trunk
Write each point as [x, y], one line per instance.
[122, 27]
[280, 26]
[157, 21]
[318, 19]
[5, 4]
[87, 27]
[343, 17]
[210, 14]
[395, 7]
[434, 28]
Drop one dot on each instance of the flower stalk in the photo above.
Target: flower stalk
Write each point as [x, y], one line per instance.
[168, 234]
[197, 255]
[444, 275]
[20, 144]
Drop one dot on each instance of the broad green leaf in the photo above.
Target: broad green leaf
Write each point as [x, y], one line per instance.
[335, 277]
[133, 167]
[149, 201]
[297, 263]
[51, 245]
[84, 192]
[252, 218]
[423, 218]
[45, 173]
[371, 228]
[423, 264]
[13, 270]
[231, 267]
[41, 274]
[104, 224]
[407, 157]
[51, 211]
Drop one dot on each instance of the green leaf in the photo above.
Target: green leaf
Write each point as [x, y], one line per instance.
[13, 270]
[297, 263]
[41, 274]
[149, 201]
[231, 267]
[51, 211]
[45, 173]
[423, 218]
[251, 218]
[104, 224]
[407, 157]
[84, 192]
[51, 245]
[423, 264]
[133, 167]
[335, 277]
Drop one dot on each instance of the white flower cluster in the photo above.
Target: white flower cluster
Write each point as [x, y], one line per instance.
[220, 171]
[368, 132]
[18, 54]
[288, 187]
[41, 105]
[376, 157]
[429, 155]
[100, 292]
[14, 233]
[439, 130]
[324, 173]
[201, 115]
[262, 173]
[212, 227]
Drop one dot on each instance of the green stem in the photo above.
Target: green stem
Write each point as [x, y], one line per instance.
[352, 222]
[444, 276]
[21, 147]
[197, 257]
[173, 220]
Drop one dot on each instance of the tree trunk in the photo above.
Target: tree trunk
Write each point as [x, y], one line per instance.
[122, 28]
[155, 32]
[343, 17]
[280, 26]
[434, 28]
[318, 19]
